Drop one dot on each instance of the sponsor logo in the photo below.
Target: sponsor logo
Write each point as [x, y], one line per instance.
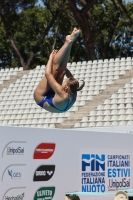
[118, 171]
[94, 161]
[18, 197]
[44, 151]
[14, 175]
[15, 151]
[45, 193]
[114, 184]
[93, 173]
[14, 172]
[44, 173]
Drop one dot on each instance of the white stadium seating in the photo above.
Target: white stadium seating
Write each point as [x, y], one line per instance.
[18, 107]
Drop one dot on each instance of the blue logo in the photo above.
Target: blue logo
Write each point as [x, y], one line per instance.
[14, 175]
[94, 161]
[10, 173]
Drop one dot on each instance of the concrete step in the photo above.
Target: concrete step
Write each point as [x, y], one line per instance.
[13, 79]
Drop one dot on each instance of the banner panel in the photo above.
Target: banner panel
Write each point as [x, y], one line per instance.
[42, 164]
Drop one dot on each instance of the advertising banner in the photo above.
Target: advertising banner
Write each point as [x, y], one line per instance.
[105, 170]
[44, 164]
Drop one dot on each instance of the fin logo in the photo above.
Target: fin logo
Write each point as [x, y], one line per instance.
[45, 193]
[44, 173]
[95, 162]
[44, 151]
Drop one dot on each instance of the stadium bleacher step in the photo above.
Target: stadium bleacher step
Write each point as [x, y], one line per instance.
[13, 79]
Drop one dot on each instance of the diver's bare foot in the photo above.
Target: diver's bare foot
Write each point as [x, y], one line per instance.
[71, 38]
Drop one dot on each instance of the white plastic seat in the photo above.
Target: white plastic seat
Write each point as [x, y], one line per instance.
[114, 112]
[129, 111]
[74, 109]
[97, 83]
[82, 103]
[110, 74]
[113, 106]
[128, 58]
[106, 118]
[92, 113]
[105, 60]
[16, 121]
[106, 112]
[121, 106]
[128, 62]
[121, 95]
[105, 69]
[92, 119]
[96, 92]
[122, 72]
[129, 123]
[93, 70]
[122, 112]
[114, 118]
[84, 124]
[116, 73]
[59, 120]
[127, 85]
[107, 101]
[77, 125]
[103, 87]
[85, 119]
[115, 123]
[92, 124]
[5, 122]
[122, 123]
[20, 69]
[121, 90]
[52, 126]
[104, 78]
[99, 112]
[106, 107]
[98, 74]
[106, 123]
[99, 118]
[129, 117]
[122, 118]
[116, 77]
[121, 101]
[84, 63]
[128, 105]
[89, 98]
[128, 100]
[100, 107]
[111, 60]
[113, 101]
[105, 74]
[109, 82]
[114, 96]
[99, 124]
[38, 67]
[128, 67]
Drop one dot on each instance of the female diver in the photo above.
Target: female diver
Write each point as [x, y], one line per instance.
[52, 93]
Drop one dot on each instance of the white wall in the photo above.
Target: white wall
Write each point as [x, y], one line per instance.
[66, 158]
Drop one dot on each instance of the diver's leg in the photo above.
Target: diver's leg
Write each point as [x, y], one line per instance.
[61, 58]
